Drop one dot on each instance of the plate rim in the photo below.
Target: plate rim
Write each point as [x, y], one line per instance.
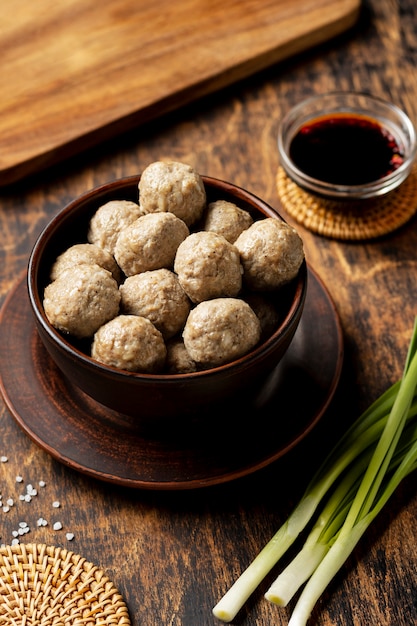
[191, 483]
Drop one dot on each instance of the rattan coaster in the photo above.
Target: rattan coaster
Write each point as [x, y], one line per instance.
[48, 586]
[349, 220]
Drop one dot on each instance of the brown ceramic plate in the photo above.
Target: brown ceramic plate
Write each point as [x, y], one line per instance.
[84, 435]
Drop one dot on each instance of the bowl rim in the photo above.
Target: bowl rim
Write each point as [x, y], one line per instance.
[359, 102]
[260, 350]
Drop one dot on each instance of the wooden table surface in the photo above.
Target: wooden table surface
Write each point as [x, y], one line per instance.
[173, 554]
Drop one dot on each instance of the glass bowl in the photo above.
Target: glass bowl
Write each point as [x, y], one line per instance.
[347, 145]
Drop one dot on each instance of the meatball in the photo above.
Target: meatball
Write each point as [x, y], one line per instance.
[158, 296]
[85, 253]
[178, 360]
[130, 342]
[81, 299]
[109, 220]
[220, 330]
[271, 253]
[208, 266]
[150, 243]
[174, 187]
[227, 219]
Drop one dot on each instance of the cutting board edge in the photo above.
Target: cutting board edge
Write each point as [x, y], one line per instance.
[55, 154]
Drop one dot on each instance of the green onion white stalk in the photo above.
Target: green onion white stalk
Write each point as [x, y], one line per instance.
[358, 477]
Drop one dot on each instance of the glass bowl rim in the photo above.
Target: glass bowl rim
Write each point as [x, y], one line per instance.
[308, 109]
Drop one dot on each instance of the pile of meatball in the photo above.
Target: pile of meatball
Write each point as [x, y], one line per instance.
[173, 283]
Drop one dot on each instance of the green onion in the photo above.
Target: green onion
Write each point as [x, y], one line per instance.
[352, 486]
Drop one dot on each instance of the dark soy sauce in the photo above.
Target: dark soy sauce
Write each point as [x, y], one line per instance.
[345, 149]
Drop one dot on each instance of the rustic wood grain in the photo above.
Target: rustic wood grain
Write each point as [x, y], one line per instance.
[79, 72]
[172, 555]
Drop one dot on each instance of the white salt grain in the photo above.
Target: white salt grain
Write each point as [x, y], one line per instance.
[31, 491]
[42, 522]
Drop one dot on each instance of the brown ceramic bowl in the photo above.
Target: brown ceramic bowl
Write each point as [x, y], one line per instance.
[149, 397]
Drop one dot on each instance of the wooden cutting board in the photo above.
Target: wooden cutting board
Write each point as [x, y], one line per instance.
[76, 72]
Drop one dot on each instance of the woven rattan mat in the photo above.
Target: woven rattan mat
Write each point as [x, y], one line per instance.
[42, 584]
[349, 220]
